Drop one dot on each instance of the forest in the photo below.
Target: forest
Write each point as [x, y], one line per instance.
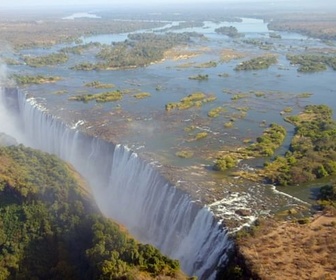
[51, 228]
[138, 50]
[312, 152]
[312, 62]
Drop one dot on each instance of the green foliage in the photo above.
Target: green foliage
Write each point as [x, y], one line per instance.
[312, 152]
[312, 62]
[49, 228]
[39, 79]
[201, 135]
[238, 96]
[328, 192]
[81, 48]
[142, 95]
[139, 50]
[305, 95]
[99, 97]
[199, 77]
[269, 141]
[184, 154]
[215, 112]
[229, 124]
[230, 31]
[41, 61]
[208, 64]
[257, 63]
[195, 99]
[225, 162]
[261, 44]
[97, 84]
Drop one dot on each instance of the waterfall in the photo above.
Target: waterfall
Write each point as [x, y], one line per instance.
[132, 192]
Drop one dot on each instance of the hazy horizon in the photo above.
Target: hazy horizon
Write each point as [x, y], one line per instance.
[154, 3]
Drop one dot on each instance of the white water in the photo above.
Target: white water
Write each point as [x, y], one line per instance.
[132, 192]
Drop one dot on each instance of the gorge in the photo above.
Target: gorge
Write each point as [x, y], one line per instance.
[129, 189]
[169, 121]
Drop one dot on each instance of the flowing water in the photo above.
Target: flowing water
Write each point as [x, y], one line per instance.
[133, 188]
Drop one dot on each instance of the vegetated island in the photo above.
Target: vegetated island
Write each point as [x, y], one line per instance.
[139, 50]
[103, 97]
[311, 155]
[51, 229]
[47, 60]
[196, 99]
[98, 84]
[38, 79]
[265, 146]
[230, 31]
[257, 63]
[312, 62]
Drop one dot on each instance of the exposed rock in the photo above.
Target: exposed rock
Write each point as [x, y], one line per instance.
[243, 212]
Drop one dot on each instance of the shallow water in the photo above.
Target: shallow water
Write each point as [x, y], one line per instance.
[146, 127]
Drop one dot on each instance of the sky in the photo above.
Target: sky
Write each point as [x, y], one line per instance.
[330, 4]
[12, 3]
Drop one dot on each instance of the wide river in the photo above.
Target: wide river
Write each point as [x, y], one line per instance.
[146, 127]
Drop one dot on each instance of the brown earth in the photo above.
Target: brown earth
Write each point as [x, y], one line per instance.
[317, 25]
[290, 250]
[24, 34]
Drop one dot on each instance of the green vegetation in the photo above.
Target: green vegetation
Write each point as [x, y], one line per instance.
[327, 196]
[261, 44]
[199, 77]
[81, 48]
[287, 110]
[201, 135]
[238, 96]
[184, 154]
[310, 25]
[41, 61]
[215, 112]
[99, 97]
[39, 79]
[224, 75]
[195, 99]
[51, 230]
[97, 84]
[266, 144]
[257, 63]
[189, 128]
[312, 62]
[312, 153]
[274, 35]
[139, 50]
[229, 124]
[328, 192]
[208, 64]
[61, 92]
[259, 94]
[183, 25]
[142, 95]
[224, 162]
[11, 61]
[230, 31]
[305, 95]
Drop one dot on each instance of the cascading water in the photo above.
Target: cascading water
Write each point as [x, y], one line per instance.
[133, 192]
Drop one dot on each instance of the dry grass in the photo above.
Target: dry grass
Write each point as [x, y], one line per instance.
[293, 251]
